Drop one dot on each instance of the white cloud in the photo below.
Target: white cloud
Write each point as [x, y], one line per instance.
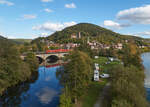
[138, 15]
[6, 2]
[112, 24]
[115, 25]
[46, 95]
[72, 5]
[145, 33]
[46, 1]
[52, 27]
[48, 10]
[44, 34]
[29, 16]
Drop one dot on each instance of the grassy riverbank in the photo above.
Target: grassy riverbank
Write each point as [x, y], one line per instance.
[92, 93]
[94, 90]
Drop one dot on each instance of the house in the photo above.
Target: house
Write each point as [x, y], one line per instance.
[120, 46]
[73, 36]
[96, 66]
[142, 46]
[76, 36]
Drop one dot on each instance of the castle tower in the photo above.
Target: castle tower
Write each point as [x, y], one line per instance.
[79, 36]
[88, 40]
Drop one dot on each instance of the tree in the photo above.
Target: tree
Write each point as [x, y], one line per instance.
[131, 56]
[77, 74]
[121, 103]
[127, 87]
[32, 61]
[12, 68]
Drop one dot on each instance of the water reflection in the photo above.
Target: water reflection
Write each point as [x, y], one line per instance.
[42, 91]
[46, 95]
[146, 63]
[14, 95]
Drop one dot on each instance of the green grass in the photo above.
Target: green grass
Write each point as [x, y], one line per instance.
[103, 66]
[92, 93]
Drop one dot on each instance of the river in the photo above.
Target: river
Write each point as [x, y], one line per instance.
[42, 91]
[146, 62]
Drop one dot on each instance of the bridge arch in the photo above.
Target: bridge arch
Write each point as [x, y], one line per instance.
[52, 58]
[40, 59]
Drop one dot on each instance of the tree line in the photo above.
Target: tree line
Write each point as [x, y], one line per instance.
[12, 68]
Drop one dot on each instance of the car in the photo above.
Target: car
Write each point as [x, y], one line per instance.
[104, 75]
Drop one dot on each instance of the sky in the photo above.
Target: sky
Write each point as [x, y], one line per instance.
[30, 19]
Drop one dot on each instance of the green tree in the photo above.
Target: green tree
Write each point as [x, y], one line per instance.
[12, 68]
[32, 61]
[77, 74]
[127, 84]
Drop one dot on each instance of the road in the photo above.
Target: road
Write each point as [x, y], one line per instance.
[102, 95]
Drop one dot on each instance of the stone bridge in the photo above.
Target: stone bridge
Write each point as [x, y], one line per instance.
[45, 56]
[50, 55]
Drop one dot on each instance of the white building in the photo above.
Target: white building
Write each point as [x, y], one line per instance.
[96, 75]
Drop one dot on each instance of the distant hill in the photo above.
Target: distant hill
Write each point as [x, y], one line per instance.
[88, 30]
[2, 38]
[21, 41]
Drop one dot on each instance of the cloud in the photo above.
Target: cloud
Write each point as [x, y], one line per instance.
[6, 2]
[138, 15]
[72, 5]
[145, 33]
[48, 78]
[48, 10]
[46, 95]
[29, 16]
[46, 1]
[44, 34]
[52, 27]
[115, 25]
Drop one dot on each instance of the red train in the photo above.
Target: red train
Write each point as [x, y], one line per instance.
[58, 51]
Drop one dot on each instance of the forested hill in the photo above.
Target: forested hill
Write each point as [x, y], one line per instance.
[88, 30]
[21, 41]
[85, 29]
[15, 41]
[2, 38]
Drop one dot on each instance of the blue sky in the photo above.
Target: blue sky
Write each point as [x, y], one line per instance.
[33, 18]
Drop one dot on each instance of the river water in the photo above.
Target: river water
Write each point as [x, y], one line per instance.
[42, 91]
[146, 62]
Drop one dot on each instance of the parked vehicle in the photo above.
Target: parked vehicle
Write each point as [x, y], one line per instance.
[104, 75]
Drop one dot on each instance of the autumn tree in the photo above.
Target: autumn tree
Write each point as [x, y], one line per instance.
[77, 74]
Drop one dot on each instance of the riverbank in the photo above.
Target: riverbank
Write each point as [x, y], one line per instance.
[102, 96]
[15, 70]
[146, 63]
[96, 90]
[19, 82]
[41, 91]
[91, 94]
